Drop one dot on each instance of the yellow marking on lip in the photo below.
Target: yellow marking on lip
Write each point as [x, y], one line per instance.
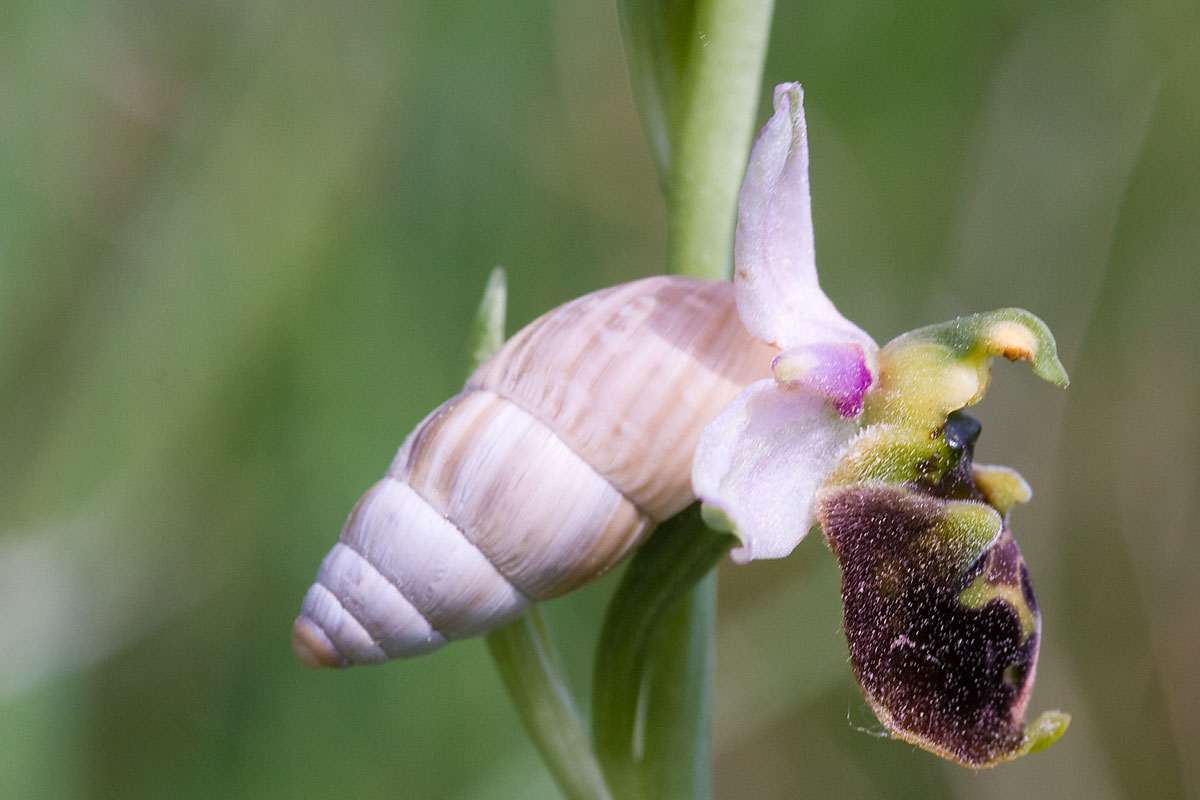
[981, 592]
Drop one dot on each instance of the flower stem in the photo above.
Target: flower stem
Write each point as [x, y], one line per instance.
[719, 96]
[652, 694]
[528, 664]
[697, 74]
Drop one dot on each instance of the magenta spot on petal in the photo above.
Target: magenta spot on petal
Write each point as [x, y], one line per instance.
[849, 406]
[837, 371]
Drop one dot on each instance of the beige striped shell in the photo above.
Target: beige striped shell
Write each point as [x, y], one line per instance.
[561, 454]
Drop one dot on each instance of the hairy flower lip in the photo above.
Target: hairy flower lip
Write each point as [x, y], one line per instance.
[939, 613]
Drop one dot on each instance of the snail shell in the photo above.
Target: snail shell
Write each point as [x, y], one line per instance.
[561, 454]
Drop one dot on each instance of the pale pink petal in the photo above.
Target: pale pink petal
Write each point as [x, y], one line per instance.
[761, 460]
[778, 297]
[837, 372]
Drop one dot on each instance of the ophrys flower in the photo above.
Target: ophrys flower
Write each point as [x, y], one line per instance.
[939, 613]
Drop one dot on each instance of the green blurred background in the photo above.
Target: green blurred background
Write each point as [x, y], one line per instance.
[239, 248]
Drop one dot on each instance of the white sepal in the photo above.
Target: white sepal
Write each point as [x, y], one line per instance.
[779, 298]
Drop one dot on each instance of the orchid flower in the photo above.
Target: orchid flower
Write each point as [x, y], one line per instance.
[938, 610]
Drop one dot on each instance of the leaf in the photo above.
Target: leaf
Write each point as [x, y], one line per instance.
[653, 665]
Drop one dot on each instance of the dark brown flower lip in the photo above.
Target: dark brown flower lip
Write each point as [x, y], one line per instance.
[938, 610]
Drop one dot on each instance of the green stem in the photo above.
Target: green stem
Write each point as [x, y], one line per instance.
[653, 685]
[528, 664]
[524, 654]
[696, 68]
[711, 109]
[651, 689]
[718, 99]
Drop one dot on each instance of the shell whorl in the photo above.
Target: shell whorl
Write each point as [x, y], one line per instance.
[559, 456]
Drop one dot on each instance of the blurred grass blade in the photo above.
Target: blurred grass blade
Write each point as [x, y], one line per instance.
[650, 701]
[524, 654]
[657, 35]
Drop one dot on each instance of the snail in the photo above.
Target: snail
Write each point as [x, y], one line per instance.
[560, 455]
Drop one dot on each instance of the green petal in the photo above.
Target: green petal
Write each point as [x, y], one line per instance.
[1045, 731]
[1003, 487]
